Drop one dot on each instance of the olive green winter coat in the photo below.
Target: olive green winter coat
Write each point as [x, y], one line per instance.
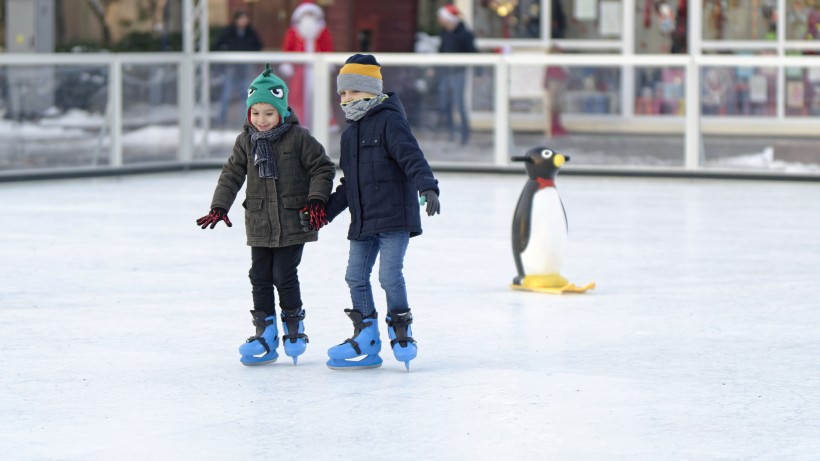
[272, 206]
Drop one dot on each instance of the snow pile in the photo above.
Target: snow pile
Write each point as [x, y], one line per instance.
[764, 160]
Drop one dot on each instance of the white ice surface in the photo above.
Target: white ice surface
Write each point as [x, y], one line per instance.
[121, 322]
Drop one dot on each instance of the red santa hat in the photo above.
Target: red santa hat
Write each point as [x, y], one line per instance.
[449, 13]
[307, 7]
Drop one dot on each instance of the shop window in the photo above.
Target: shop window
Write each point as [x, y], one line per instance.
[803, 20]
[593, 90]
[661, 26]
[802, 92]
[591, 19]
[660, 90]
[739, 20]
[739, 91]
[507, 18]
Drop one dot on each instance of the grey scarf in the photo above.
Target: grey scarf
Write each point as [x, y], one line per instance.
[262, 144]
[355, 110]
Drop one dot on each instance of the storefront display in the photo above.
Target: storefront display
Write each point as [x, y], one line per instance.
[661, 27]
[803, 20]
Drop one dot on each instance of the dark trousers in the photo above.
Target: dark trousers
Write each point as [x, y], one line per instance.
[275, 267]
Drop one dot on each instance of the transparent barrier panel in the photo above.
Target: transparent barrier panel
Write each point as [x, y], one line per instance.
[53, 116]
[577, 111]
[450, 110]
[740, 100]
[150, 113]
[229, 92]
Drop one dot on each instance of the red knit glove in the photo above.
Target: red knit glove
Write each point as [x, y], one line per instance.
[313, 216]
[216, 215]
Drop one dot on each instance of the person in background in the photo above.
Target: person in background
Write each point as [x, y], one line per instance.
[308, 33]
[679, 42]
[455, 38]
[238, 36]
[555, 82]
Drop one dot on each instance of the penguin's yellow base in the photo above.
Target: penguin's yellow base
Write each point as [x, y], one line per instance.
[551, 283]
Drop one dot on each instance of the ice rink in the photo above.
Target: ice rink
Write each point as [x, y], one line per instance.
[121, 321]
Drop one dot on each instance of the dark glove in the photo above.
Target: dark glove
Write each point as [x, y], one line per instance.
[433, 205]
[313, 216]
[216, 215]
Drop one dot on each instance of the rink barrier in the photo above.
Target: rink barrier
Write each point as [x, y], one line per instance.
[438, 167]
[193, 127]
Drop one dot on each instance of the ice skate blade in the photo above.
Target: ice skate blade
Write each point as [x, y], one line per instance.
[370, 361]
[251, 361]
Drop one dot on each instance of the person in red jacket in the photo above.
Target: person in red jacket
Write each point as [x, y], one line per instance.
[307, 33]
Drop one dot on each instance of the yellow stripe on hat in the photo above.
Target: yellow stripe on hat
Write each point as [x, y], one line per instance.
[368, 70]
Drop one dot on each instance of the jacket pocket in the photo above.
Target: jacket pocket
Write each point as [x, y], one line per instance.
[256, 219]
[294, 202]
[371, 149]
[291, 205]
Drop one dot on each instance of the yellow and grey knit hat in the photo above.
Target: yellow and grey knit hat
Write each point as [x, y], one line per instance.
[361, 72]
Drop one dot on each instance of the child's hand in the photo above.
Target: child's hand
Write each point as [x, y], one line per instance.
[313, 216]
[216, 215]
[431, 198]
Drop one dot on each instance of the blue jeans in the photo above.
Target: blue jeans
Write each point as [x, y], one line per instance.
[237, 78]
[392, 246]
[451, 93]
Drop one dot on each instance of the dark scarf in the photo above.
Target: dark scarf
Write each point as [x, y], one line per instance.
[262, 146]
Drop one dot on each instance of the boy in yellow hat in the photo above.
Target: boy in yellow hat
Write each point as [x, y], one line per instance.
[384, 173]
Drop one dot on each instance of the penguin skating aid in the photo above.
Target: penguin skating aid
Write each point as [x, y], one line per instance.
[539, 234]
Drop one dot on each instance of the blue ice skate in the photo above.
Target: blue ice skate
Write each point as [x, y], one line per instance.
[365, 342]
[401, 339]
[261, 348]
[294, 343]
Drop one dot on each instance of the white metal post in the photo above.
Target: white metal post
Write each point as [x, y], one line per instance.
[781, 51]
[694, 34]
[546, 24]
[628, 71]
[185, 84]
[115, 110]
[502, 134]
[691, 141]
[205, 78]
[321, 99]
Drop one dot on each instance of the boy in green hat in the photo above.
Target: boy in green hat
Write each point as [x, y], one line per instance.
[290, 178]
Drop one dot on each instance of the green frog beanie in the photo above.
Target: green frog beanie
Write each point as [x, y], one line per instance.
[269, 88]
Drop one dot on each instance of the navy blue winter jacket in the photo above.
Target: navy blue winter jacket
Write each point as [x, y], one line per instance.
[384, 171]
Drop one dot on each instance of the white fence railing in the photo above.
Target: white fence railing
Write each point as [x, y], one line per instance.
[194, 100]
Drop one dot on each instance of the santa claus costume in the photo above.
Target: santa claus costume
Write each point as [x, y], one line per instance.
[307, 33]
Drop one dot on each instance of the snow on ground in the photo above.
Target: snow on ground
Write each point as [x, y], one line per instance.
[11, 131]
[121, 322]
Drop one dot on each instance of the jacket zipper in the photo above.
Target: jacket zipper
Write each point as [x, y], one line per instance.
[267, 208]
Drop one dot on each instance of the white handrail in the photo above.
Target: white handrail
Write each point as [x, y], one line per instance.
[326, 63]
